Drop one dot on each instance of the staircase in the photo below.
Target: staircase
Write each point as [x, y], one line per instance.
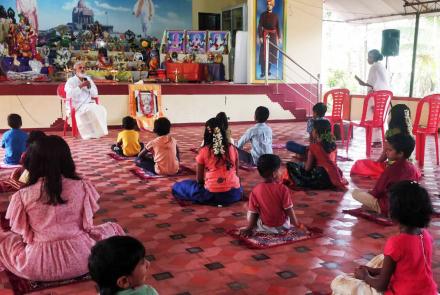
[289, 101]
[293, 96]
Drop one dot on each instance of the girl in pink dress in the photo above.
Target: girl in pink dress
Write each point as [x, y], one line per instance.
[51, 219]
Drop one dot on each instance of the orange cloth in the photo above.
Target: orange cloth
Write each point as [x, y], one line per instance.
[165, 155]
[130, 142]
[217, 177]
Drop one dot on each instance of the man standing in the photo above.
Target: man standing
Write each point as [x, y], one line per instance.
[91, 118]
[268, 24]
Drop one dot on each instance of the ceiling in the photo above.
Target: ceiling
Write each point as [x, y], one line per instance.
[366, 11]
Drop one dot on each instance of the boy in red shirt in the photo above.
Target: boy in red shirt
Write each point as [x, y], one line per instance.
[270, 205]
[398, 149]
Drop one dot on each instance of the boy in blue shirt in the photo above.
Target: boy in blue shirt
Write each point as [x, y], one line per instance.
[260, 137]
[319, 111]
[14, 140]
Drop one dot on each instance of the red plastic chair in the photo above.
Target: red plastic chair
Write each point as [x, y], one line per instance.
[382, 103]
[338, 95]
[431, 127]
[61, 92]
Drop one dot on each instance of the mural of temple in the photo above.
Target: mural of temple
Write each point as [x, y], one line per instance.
[82, 16]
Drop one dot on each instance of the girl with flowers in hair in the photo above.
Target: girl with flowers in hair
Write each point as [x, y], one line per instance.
[217, 171]
[320, 170]
[400, 123]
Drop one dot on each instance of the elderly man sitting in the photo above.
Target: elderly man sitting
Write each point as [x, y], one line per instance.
[91, 118]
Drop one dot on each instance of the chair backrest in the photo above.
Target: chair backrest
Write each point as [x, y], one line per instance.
[382, 103]
[433, 102]
[338, 96]
[61, 92]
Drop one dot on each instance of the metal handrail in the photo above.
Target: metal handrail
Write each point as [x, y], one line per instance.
[289, 58]
[308, 91]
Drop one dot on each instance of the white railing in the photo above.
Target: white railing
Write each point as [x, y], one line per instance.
[306, 93]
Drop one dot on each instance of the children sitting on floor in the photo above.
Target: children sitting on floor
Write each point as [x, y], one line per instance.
[128, 143]
[400, 122]
[119, 267]
[14, 140]
[160, 155]
[223, 119]
[270, 207]
[260, 137]
[51, 218]
[406, 264]
[398, 148]
[320, 170]
[319, 111]
[217, 171]
[20, 176]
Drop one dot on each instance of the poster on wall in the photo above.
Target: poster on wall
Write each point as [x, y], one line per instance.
[196, 42]
[218, 42]
[270, 21]
[143, 17]
[175, 41]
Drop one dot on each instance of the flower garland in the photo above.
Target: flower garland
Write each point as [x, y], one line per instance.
[327, 137]
[217, 145]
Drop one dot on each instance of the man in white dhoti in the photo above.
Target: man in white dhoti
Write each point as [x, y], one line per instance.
[91, 118]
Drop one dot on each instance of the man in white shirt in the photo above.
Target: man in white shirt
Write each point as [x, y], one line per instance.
[91, 118]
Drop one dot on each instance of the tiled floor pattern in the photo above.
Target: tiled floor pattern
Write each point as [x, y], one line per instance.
[188, 247]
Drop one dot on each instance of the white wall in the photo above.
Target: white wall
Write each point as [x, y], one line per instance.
[42, 111]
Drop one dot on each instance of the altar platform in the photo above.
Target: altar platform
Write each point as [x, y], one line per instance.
[183, 103]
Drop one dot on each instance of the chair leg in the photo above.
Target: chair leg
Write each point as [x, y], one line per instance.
[74, 127]
[383, 136]
[422, 149]
[342, 131]
[417, 146]
[65, 126]
[436, 147]
[368, 138]
[347, 142]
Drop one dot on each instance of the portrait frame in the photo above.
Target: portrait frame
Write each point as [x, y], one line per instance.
[276, 71]
[192, 39]
[175, 41]
[153, 92]
[218, 42]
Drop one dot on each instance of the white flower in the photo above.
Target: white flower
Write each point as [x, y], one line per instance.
[218, 142]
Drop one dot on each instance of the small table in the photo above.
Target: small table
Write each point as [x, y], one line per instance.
[186, 71]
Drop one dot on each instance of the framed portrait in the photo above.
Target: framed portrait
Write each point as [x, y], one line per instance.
[218, 42]
[270, 20]
[196, 42]
[145, 104]
[175, 41]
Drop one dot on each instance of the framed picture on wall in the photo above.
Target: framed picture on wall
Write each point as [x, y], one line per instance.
[175, 41]
[218, 42]
[270, 21]
[196, 42]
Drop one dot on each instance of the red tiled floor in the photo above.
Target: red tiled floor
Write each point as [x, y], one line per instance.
[146, 210]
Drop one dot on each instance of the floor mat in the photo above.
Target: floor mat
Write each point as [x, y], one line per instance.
[369, 215]
[119, 158]
[145, 175]
[22, 286]
[264, 241]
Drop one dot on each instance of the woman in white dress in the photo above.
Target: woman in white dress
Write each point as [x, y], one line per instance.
[377, 80]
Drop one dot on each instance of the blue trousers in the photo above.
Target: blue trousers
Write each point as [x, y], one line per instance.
[190, 190]
[296, 148]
